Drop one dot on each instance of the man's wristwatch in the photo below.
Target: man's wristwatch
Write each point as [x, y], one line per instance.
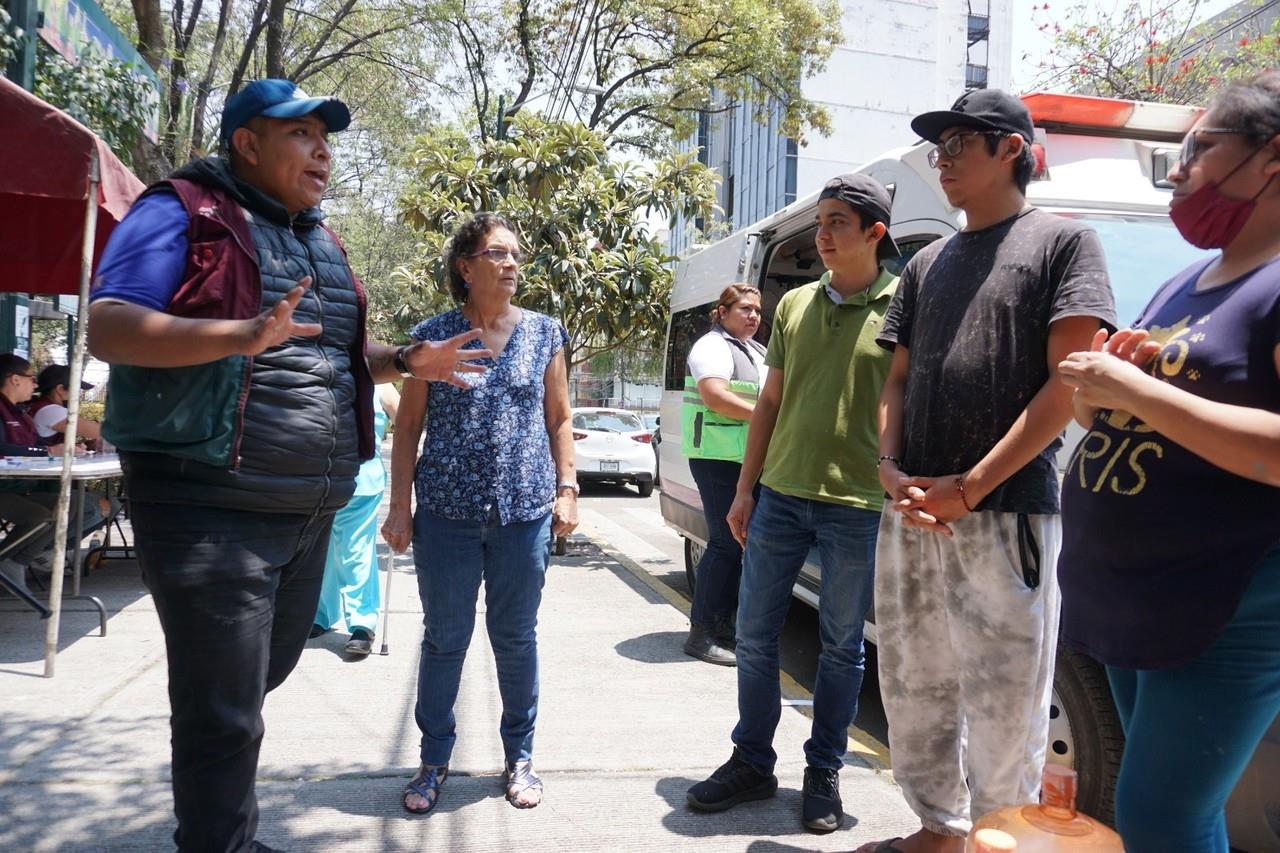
[568, 485]
[398, 361]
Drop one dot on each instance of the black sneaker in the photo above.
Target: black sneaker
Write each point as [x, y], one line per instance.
[317, 631]
[703, 646]
[822, 810]
[734, 782]
[361, 642]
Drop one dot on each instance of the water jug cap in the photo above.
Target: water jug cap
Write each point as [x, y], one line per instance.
[990, 840]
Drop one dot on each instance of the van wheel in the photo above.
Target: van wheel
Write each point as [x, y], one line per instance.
[1085, 732]
[692, 556]
[645, 487]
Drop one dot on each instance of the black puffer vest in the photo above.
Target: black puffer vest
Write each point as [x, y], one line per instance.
[298, 447]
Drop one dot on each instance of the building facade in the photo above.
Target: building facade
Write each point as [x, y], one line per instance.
[899, 58]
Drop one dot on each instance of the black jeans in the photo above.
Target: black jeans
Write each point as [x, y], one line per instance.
[236, 593]
[715, 591]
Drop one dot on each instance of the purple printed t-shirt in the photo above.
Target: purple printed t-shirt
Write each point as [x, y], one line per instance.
[1159, 544]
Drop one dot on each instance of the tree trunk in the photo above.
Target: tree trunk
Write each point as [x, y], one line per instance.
[150, 32]
[275, 38]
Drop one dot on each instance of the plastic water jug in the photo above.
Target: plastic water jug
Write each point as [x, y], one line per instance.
[1053, 826]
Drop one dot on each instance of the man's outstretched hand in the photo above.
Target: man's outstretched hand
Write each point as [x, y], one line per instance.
[442, 361]
[276, 326]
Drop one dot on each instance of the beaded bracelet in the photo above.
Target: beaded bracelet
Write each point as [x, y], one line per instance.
[960, 491]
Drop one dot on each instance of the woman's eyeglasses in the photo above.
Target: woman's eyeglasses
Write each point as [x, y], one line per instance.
[1193, 148]
[500, 255]
[953, 147]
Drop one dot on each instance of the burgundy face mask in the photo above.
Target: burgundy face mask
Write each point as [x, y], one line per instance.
[1207, 219]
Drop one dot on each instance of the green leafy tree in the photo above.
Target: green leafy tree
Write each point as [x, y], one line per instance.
[592, 262]
[8, 38]
[642, 70]
[1150, 50]
[102, 93]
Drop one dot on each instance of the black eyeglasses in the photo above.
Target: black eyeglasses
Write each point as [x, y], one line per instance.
[500, 255]
[1191, 146]
[954, 145]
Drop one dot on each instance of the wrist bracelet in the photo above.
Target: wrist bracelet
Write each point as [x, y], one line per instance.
[399, 363]
[960, 491]
[895, 460]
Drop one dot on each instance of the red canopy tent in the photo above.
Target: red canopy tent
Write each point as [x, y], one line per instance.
[43, 188]
[61, 193]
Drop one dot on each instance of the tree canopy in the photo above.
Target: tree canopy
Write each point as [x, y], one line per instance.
[1151, 50]
[641, 70]
[592, 261]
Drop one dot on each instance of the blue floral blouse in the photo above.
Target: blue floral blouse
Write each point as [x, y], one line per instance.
[488, 445]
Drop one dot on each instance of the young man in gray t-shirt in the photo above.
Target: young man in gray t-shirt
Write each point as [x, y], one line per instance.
[970, 419]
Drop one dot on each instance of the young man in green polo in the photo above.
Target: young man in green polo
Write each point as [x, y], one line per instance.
[812, 444]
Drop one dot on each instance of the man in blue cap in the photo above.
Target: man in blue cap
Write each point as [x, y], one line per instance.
[241, 403]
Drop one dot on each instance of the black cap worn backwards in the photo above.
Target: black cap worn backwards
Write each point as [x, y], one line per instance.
[868, 195]
[983, 109]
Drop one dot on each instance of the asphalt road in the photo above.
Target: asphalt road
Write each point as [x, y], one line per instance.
[641, 518]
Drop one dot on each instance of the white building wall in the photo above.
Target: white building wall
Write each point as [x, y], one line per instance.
[899, 58]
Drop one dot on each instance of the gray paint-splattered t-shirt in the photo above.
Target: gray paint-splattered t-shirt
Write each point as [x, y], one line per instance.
[974, 310]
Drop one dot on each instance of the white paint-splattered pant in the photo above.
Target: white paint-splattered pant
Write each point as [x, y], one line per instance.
[966, 652]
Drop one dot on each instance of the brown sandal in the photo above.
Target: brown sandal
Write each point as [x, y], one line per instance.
[519, 778]
[426, 785]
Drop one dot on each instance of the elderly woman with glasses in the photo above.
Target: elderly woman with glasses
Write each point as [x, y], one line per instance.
[494, 483]
[1170, 565]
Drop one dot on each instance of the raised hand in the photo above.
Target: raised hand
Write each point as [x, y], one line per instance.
[441, 361]
[274, 327]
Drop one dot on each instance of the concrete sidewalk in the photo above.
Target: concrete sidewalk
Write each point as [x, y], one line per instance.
[627, 722]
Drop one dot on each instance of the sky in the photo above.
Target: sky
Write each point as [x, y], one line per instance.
[1027, 39]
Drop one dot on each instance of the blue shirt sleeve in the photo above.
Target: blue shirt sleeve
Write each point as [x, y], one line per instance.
[146, 254]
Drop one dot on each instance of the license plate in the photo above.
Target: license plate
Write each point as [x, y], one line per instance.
[610, 466]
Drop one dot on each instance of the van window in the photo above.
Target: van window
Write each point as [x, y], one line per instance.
[908, 246]
[686, 327]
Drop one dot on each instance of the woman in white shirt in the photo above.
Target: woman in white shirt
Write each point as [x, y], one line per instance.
[725, 372]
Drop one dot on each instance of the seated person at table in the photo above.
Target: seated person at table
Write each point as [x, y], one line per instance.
[49, 409]
[26, 503]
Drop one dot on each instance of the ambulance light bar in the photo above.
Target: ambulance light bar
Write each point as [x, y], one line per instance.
[1110, 116]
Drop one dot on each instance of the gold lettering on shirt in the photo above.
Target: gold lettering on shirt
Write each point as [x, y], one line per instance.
[1098, 445]
[1137, 469]
[1173, 355]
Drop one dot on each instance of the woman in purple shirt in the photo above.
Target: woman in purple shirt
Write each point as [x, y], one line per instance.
[1170, 565]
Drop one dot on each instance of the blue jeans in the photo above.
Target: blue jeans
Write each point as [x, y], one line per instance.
[715, 592]
[451, 558]
[781, 532]
[1194, 728]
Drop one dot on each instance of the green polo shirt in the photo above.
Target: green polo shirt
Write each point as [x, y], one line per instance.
[824, 446]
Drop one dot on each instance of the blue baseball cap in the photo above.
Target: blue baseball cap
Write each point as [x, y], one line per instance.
[280, 99]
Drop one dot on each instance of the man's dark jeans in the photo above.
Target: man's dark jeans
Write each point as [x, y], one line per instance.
[236, 593]
[715, 591]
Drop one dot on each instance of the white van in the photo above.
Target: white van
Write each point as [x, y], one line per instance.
[1101, 161]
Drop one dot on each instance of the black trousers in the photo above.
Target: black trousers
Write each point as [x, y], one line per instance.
[236, 593]
[715, 591]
